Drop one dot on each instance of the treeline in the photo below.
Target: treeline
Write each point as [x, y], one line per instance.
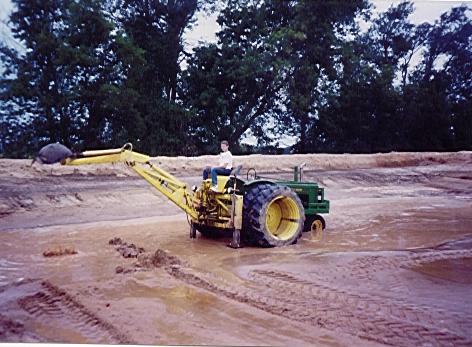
[97, 74]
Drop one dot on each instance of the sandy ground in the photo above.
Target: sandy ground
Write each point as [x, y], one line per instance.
[394, 266]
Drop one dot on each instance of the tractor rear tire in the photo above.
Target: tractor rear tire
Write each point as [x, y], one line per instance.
[273, 216]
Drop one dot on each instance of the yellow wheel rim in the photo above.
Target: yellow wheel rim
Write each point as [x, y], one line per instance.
[282, 218]
[316, 230]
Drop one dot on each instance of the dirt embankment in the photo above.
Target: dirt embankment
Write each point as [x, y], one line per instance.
[21, 168]
[35, 188]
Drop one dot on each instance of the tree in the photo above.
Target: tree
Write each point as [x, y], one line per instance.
[232, 86]
[93, 65]
[269, 60]
[439, 95]
[98, 73]
[153, 116]
[383, 103]
[48, 83]
[312, 33]
[12, 125]
[359, 113]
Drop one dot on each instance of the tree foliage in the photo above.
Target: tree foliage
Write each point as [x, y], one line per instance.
[100, 73]
[232, 86]
[384, 102]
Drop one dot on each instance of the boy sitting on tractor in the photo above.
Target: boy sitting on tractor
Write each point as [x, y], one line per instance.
[225, 165]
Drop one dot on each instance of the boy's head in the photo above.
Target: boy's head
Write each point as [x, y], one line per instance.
[224, 145]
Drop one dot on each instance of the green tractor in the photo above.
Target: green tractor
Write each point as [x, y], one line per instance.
[276, 212]
[260, 211]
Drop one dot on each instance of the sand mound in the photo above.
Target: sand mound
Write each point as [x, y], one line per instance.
[145, 261]
[22, 168]
[270, 163]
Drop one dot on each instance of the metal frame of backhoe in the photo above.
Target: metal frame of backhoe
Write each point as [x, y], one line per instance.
[174, 189]
[170, 186]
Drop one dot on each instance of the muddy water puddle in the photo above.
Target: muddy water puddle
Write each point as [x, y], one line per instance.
[453, 270]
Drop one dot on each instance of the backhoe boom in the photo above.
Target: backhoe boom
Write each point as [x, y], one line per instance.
[174, 189]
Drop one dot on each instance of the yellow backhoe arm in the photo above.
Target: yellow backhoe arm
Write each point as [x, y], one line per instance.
[170, 186]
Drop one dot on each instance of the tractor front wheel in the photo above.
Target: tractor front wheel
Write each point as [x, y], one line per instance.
[314, 223]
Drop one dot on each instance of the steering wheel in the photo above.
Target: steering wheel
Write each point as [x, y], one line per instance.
[251, 174]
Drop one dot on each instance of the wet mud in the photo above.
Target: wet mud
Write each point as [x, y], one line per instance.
[330, 297]
[127, 250]
[59, 251]
[392, 268]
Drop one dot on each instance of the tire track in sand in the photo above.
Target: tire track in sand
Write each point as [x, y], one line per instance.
[370, 270]
[375, 318]
[53, 303]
